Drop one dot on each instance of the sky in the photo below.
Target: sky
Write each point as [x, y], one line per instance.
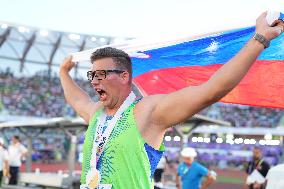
[134, 18]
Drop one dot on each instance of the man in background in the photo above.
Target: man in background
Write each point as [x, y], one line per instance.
[257, 166]
[16, 152]
[190, 173]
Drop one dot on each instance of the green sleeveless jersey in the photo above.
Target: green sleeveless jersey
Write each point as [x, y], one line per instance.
[127, 161]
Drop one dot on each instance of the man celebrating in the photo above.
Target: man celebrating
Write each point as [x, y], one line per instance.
[123, 142]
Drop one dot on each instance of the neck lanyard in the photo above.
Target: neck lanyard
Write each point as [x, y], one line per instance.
[259, 163]
[105, 127]
[256, 165]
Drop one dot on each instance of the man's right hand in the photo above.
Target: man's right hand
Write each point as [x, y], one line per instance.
[263, 28]
[67, 64]
[76, 97]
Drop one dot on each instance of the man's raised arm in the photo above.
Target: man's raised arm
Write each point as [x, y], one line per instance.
[74, 95]
[186, 102]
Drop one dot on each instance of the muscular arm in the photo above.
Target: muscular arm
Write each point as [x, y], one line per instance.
[188, 101]
[74, 95]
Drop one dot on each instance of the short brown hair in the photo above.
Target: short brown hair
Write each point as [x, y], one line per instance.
[121, 58]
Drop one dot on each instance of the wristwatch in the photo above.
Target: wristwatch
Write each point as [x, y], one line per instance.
[260, 38]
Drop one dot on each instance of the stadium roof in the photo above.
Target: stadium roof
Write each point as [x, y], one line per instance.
[28, 50]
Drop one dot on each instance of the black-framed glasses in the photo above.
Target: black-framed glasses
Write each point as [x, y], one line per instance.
[101, 74]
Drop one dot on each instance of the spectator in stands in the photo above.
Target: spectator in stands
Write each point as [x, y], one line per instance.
[190, 173]
[16, 151]
[4, 165]
[256, 166]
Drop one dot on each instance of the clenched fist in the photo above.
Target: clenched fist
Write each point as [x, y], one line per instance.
[67, 64]
[263, 28]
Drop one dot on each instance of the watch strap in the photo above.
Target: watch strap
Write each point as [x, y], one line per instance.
[260, 38]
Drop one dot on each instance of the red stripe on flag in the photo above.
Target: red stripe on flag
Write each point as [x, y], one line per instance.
[262, 86]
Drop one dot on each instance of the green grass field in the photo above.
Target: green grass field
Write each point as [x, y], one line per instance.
[231, 180]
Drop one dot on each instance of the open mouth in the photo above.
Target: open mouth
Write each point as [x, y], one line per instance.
[102, 94]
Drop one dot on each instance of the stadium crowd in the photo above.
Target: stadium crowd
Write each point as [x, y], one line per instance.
[42, 96]
[39, 96]
[245, 116]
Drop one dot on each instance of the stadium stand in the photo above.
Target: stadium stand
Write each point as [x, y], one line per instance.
[20, 96]
[245, 116]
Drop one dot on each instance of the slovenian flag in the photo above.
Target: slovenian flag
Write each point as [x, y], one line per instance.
[169, 67]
